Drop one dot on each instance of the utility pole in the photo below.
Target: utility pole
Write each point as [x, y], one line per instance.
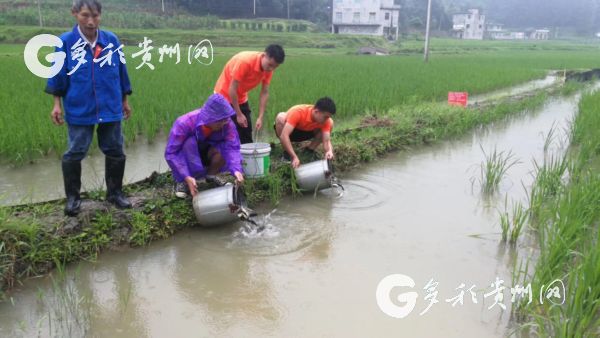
[427, 31]
[331, 17]
[288, 9]
[40, 13]
[163, 5]
[254, 7]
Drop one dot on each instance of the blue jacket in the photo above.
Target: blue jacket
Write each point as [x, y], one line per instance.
[92, 94]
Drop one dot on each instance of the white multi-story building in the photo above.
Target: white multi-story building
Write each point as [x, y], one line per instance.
[366, 17]
[470, 26]
[496, 31]
[540, 34]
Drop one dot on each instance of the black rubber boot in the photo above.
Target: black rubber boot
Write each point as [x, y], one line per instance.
[72, 179]
[114, 169]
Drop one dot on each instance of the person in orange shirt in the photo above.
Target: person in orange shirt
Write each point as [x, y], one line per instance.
[306, 122]
[242, 73]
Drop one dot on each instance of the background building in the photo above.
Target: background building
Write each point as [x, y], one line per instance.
[470, 26]
[366, 17]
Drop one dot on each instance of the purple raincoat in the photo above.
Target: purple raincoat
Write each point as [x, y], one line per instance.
[182, 153]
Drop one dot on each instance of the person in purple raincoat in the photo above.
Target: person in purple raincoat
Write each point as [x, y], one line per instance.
[203, 143]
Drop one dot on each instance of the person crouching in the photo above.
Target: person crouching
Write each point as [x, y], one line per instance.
[203, 143]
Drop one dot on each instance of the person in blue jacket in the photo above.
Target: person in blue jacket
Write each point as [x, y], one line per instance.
[93, 86]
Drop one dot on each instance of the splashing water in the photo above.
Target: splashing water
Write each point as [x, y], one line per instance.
[254, 227]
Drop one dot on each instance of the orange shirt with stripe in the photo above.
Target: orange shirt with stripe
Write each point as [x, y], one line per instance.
[245, 68]
[300, 118]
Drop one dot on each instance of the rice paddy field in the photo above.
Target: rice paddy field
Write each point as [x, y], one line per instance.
[563, 218]
[560, 217]
[358, 84]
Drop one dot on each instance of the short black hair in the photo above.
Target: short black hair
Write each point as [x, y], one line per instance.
[91, 4]
[276, 52]
[326, 104]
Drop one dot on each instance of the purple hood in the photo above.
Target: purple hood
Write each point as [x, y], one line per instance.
[215, 109]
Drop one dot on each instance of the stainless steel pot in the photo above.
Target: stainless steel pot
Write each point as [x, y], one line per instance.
[314, 176]
[221, 205]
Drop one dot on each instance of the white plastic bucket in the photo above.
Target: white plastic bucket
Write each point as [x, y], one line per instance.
[257, 159]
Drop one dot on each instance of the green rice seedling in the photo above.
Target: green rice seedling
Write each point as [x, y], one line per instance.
[550, 138]
[518, 220]
[494, 168]
[68, 312]
[512, 222]
[171, 90]
[505, 225]
[568, 235]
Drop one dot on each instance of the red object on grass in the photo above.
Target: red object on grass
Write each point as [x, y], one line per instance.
[458, 98]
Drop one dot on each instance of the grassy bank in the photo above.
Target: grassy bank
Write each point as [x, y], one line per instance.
[36, 237]
[563, 218]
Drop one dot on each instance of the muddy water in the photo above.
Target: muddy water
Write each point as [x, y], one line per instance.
[314, 271]
[527, 87]
[42, 181]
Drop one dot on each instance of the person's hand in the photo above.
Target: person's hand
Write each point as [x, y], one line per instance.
[191, 182]
[126, 110]
[56, 116]
[329, 155]
[239, 177]
[295, 162]
[258, 123]
[242, 121]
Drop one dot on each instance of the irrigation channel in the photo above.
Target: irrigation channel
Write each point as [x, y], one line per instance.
[42, 180]
[314, 270]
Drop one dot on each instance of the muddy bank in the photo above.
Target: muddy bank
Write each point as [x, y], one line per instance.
[37, 237]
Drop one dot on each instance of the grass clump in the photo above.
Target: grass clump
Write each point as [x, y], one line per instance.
[494, 168]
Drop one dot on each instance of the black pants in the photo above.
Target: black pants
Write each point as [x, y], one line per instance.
[203, 149]
[244, 133]
[298, 135]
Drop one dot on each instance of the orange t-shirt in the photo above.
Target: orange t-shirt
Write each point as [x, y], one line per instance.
[206, 131]
[300, 118]
[246, 69]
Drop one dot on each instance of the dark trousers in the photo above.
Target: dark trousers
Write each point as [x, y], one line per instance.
[110, 140]
[244, 133]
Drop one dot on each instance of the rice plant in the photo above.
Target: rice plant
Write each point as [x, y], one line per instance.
[550, 178]
[494, 168]
[68, 311]
[568, 235]
[170, 90]
[512, 223]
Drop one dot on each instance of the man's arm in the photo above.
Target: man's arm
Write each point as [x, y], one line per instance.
[125, 85]
[287, 144]
[230, 150]
[57, 86]
[264, 98]
[241, 119]
[56, 114]
[327, 145]
[126, 108]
